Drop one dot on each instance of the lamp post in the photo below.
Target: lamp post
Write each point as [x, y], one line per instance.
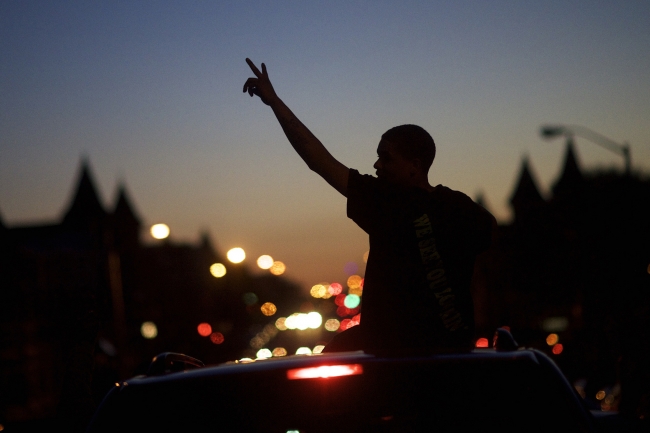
[569, 131]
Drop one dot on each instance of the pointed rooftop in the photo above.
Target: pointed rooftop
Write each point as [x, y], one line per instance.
[85, 205]
[571, 177]
[526, 194]
[124, 212]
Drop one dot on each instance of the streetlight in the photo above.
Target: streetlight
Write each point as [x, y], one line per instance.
[568, 131]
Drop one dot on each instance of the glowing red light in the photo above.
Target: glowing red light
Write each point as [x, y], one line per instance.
[345, 324]
[482, 342]
[335, 289]
[204, 329]
[325, 371]
[558, 348]
[357, 319]
[340, 299]
[216, 337]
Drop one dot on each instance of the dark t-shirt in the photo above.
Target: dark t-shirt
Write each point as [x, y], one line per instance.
[423, 245]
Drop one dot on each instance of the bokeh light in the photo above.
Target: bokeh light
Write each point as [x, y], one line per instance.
[303, 351]
[149, 330]
[365, 256]
[335, 289]
[265, 262]
[318, 291]
[281, 324]
[557, 349]
[354, 281]
[600, 394]
[482, 342]
[278, 268]
[218, 270]
[352, 301]
[204, 329]
[314, 320]
[351, 268]
[318, 349]
[217, 337]
[332, 325]
[268, 308]
[160, 231]
[279, 351]
[552, 339]
[236, 255]
[249, 298]
[263, 353]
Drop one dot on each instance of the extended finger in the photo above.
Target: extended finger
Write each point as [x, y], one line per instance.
[253, 67]
[264, 70]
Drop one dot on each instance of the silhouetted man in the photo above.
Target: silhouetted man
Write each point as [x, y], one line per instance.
[423, 239]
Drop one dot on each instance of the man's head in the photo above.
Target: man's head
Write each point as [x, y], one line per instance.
[405, 154]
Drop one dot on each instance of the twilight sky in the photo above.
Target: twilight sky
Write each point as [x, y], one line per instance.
[151, 93]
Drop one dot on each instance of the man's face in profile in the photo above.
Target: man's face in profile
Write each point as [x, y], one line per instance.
[392, 166]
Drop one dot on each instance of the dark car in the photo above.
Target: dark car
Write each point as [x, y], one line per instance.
[504, 388]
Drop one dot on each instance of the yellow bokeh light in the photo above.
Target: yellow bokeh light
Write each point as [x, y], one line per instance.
[160, 231]
[264, 262]
[281, 324]
[332, 325]
[314, 320]
[217, 270]
[600, 395]
[236, 255]
[278, 268]
[318, 291]
[318, 349]
[354, 282]
[358, 291]
[263, 353]
[268, 308]
[279, 351]
[552, 339]
[149, 330]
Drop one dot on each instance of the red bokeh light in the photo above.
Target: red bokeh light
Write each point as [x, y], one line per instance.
[345, 324]
[216, 337]
[335, 289]
[558, 348]
[204, 329]
[339, 300]
[482, 342]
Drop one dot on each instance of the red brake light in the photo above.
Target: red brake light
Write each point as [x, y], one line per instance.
[324, 371]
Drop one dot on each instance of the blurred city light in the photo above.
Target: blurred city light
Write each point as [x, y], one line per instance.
[218, 270]
[236, 255]
[318, 291]
[555, 324]
[263, 353]
[335, 289]
[318, 349]
[217, 337]
[160, 231]
[204, 329]
[482, 342]
[149, 330]
[268, 308]
[351, 268]
[600, 394]
[281, 324]
[558, 348]
[265, 262]
[552, 339]
[249, 298]
[314, 320]
[303, 351]
[278, 268]
[352, 301]
[279, 351]
[332, 325]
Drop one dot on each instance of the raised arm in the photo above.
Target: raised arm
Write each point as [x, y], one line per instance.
[310, 149]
